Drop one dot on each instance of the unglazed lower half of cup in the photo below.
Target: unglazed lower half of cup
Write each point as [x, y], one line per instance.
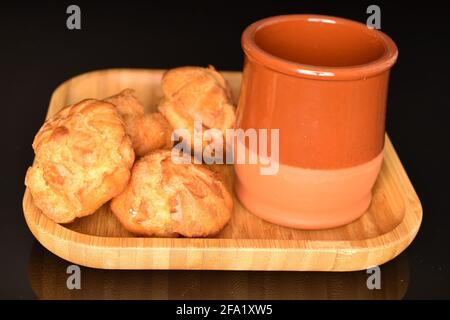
[307, 198]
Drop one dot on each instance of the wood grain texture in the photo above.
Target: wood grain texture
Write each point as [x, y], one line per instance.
[247, 243]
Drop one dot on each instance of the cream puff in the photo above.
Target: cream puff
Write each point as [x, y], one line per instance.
[197, 94]
[166, 199]
[148, 131]
[83, 158]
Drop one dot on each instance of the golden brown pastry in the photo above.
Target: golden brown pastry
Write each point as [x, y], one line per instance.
[174, 79]
[83, 159]
[127, 103]
[167, 199]
[195, 93]
[148, 132]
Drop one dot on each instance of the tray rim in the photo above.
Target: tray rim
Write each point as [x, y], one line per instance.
[39, 225]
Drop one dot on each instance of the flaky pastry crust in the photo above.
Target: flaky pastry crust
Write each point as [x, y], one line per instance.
[83, 158]
[165, 199]
[195, 93]
[148, 131]
[127, 103]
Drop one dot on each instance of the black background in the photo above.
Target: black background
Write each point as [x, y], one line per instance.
[38, 52]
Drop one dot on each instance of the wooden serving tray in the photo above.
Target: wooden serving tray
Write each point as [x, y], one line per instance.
[247, 242]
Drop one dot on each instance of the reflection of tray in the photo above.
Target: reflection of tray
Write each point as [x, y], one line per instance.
[47, 275]
[247, 243]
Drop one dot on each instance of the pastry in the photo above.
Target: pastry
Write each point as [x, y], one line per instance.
[195, 93]
[166, 199]
[83, 159]
[127, 103]
[148, 131]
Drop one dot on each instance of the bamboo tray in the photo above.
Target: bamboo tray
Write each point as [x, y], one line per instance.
[247, 243]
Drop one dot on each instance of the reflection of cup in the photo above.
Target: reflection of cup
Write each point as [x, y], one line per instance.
[322, 81]
[47, 275]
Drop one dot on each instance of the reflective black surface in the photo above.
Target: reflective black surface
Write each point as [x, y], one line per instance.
[37, 53]
[47, 275]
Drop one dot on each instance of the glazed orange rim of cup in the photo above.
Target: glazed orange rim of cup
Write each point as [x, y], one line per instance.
[319, 47]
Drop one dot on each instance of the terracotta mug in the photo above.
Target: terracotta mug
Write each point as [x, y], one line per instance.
[322, 81]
